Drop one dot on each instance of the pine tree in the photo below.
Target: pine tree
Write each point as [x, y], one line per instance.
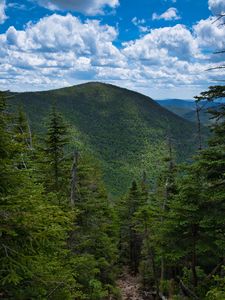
[211, 162]
[54, 164]
[131, 239]
[194, 225]
[94, 239]
[33, 232]
[7, 149]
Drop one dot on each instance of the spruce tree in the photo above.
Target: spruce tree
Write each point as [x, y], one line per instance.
[194, 225]
[33, 232]
[131, 239]
[211, 163]
[94, 238]
[54, 164]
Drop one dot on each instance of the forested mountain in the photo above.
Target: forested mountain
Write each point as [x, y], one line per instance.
[62, 237]
[127, 132]
[187, 109]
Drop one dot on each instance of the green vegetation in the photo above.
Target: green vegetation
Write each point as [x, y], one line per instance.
[126, 131]
[187, 109]
[62, 235]
[182, 224]
[50, 250]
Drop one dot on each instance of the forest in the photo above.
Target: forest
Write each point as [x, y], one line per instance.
[64, 235]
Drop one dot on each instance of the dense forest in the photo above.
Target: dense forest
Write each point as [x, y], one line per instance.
[125, 131]
[63, 236]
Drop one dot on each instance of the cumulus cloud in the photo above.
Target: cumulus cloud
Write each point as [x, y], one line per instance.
[58, 47]
[137, 21]
[62, 34]
[140, 24]
[170, 14]
[209, 35]
[217, 6]
[169, 42]
[63, 50]
[88, 7]
[3, 16]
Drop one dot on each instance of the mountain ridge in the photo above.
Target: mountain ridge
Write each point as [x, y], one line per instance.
[126, 130]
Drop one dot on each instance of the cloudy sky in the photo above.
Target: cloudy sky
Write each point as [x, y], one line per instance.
[161, 48]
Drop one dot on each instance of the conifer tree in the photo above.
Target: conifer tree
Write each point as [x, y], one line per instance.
[54, 164]
[211, 163]
[194, 225]
[94, 240]
[131, 239]
[33, 232]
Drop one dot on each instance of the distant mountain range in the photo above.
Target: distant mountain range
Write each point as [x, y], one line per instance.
[187, 109]
[125, 130]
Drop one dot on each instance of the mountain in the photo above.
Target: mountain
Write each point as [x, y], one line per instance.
[187, 109]
[178, 106]
[125, 130]
[190, 104]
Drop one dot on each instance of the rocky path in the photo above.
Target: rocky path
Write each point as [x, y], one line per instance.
[129, 286]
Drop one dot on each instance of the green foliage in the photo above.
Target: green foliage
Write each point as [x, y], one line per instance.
[217, 291]
[94, 240]
[33, 232]
[130, 237]
[124, 130]
[169, 227]
[182, 221]
[54, 162]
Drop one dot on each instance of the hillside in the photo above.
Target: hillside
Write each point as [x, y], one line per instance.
[178, 106]
[127, 131]
[187, 109]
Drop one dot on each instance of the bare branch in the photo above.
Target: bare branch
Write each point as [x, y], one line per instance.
[218, 18]
[215, 68]
[219, 52]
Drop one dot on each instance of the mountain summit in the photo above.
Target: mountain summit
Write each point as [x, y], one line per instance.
[125, 130]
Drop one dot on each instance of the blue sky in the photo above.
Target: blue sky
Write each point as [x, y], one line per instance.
[161, 48]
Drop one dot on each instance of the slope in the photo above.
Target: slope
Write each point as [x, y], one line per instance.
[187, 109]
[125, 130]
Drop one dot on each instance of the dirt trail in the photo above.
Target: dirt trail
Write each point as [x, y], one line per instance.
[130, 287]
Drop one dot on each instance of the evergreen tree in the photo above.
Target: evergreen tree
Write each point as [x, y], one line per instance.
[194, 226]
[131, 240]
[7, 149]
[33, 232]
[94, 239]
[54, 164]
[211, 163]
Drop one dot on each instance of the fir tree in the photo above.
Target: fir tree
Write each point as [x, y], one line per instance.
[131, 239]
[54, 165]
[33, 232]
[94, 239]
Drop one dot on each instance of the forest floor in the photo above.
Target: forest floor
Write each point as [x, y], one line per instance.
[130, 287]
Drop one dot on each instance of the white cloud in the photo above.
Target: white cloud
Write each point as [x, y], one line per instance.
[61, 34]
[172, 42]
[3, 16]
[140, 24]
[88, 7]
[63, 50]
[209, 35]
[217, 6]
[170, 14]
[57, 47]
[137, 21]
[16, 5]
